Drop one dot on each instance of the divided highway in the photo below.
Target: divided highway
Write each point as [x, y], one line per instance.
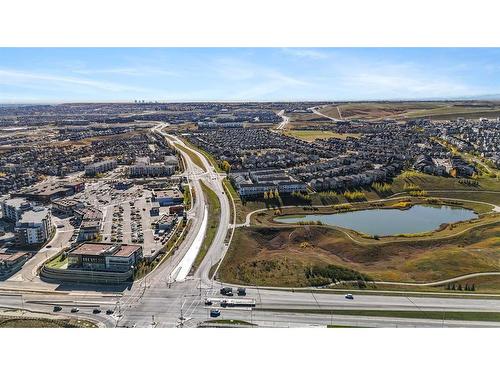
[170, 297]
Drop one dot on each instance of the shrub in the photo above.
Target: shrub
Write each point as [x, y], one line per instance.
[355, 196]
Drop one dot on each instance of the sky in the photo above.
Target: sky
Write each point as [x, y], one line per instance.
[47, 75]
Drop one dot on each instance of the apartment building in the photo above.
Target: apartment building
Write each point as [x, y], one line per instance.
[34, 227]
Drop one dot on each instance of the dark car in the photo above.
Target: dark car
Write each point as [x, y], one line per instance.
[226, 291]
[349, 296]
[208, 302]
[214, 313]
[96, 311]
[242, 292]
[109, 312]
[57, 308]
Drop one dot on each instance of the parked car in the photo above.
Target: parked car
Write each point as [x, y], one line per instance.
[208, 302]
[214, 313]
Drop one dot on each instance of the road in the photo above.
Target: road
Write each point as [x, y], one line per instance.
[284, 123]
[316, 112]
[162, 299]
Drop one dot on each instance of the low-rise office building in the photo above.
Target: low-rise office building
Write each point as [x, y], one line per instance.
[11, 262]
[66, 206]
[105, 257]
[166, 222]
[168, 197]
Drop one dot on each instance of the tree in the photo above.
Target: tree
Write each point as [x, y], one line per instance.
[473, 287]
[266, 196]
[226, 166]
[270, 194]
[459, 286]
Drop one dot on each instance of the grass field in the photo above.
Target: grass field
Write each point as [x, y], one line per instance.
[281, 256]
[58, 262]
[406, 110]
[194, 157]
[209, 156]
[312, 135]
[485, 316]
[14, 322]
[213, 223]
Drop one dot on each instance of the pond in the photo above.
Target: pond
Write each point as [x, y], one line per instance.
[386, 222]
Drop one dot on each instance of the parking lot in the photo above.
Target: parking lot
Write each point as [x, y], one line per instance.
[126, 215]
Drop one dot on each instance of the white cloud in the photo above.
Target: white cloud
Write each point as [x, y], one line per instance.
[20, 78]
[395, 81]
[129, 71]
[305, 53]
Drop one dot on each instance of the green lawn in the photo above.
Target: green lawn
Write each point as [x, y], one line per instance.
[44, 323]
[486, 316]
[209, 156]
[312, 135]
[194, 157]
[58, 262]
[213, 222]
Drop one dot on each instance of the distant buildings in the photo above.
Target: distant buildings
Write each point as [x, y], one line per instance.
[34, 227]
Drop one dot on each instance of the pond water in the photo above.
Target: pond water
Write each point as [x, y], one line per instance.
[386, 222]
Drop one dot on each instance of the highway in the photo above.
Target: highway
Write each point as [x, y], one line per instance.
[170, 296]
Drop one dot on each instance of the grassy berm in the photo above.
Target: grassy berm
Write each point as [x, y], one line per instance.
[318, 255]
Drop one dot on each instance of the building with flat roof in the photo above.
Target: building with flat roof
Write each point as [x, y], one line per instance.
[151, 170]
[11, 262]
[34, 227]
[105, 256]
[166, 222]
[13, 208]
[90, 219]
[168, 197]
[100, 167]
[66, 206]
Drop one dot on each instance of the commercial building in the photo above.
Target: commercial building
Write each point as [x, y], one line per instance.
[50, 191]
[168, 197]
[100, 167]
[66, 206]
[166, 222]
[176, 210]
[104, 257]
[11, 262]
[12, 209]
[90, 219]
[34, 227]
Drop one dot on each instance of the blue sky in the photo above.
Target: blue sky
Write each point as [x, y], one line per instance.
[236, 74]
